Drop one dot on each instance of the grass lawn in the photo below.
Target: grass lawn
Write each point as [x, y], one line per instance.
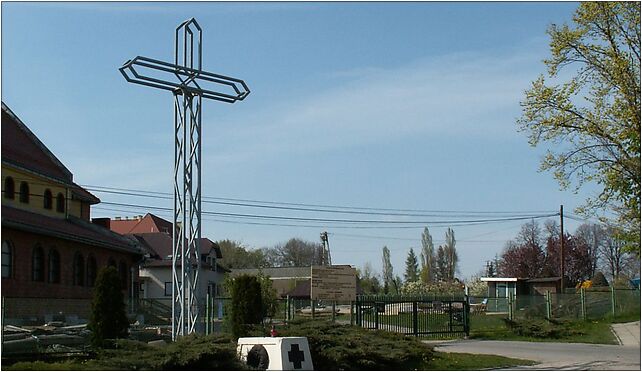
[468, 362]
[493, 327]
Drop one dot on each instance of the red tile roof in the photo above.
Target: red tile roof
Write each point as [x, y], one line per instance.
[148, 224]
[72, 228]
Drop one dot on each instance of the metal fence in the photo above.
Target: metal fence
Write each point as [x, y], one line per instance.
[425, 316]
[583, 304]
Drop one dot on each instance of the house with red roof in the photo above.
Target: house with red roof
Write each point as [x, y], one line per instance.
[154, 234]
[51, 251]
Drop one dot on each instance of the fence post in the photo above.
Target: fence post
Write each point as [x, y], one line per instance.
[312, 308]
[334, 308]
[415, 320]
[376, 311]
[207, 314]
[548, 305]
[510, 305]
[351, 313]
[613, 300]
[583, 302]
[467, 316]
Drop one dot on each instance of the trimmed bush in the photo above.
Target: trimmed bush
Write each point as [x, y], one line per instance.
[344, 347]
[247, 304]
[108, 319]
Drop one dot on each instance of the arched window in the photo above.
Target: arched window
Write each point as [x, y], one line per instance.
[38, 265]
[122, 273]
[7, 259]
[60, 203]
[9, 188]
[47, 199]
[54, 266]
[91, 271]
[79, 269]
[24, 192]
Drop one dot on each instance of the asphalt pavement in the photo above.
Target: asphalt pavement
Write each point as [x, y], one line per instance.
[561, 356]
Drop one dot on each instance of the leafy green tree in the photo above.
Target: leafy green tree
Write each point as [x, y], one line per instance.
[387, 271]
[427, 257]
[441, 265]
[412, 267]
[237, 256]
[450, 252]
[108, 319]
[593, 118]
[247, 304]
[368, 280]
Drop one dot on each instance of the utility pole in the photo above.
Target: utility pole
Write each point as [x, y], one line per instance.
[327, 260]
[562, 247]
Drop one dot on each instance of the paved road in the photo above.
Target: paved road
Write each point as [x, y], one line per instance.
[554, 356]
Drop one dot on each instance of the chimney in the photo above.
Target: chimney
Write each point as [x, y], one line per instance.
[104, 222]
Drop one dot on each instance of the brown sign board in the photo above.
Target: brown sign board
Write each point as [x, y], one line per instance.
[333, 283]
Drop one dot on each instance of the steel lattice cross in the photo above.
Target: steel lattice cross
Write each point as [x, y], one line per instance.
[189, 84]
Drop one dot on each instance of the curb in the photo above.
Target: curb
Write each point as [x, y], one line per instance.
[619, 341]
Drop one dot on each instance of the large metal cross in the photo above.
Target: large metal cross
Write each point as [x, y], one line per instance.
[189, 84]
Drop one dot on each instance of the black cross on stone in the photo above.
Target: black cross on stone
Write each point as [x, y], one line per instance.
[295, 356]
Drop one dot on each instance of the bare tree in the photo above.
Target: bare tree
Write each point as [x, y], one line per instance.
[594, 235]
[614, 256]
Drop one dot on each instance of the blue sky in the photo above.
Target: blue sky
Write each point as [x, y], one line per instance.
[376, 105]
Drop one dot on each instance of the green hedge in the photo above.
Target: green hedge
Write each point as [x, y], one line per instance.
[344, 347]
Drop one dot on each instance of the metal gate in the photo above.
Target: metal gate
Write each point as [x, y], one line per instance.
[424, 316]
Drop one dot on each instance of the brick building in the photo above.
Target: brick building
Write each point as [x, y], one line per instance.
[51, 252]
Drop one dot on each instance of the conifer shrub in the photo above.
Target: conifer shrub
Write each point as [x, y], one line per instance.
[247, 304]
[108, 319]
[337, 347]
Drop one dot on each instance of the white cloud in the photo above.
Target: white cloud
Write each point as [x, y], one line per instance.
[461, 95]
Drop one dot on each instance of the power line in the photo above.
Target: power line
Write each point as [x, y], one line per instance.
[310, 219]
[272, 204]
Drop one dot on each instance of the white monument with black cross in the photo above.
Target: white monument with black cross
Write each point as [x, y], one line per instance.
[275, 353]
[189, 84]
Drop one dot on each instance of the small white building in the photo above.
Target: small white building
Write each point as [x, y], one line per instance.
[154, 235]
[156, 272]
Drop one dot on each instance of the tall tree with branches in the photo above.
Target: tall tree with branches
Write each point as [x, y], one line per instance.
[387, 272]
[593, 118]
[412, 267]
[427, 256]
[452, 259]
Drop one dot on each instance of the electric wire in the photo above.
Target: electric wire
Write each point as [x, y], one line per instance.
[253, 203]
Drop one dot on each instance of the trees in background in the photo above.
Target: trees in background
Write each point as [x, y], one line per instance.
[237, 256]
[593, 115]
[368, 280]
[536, 253]
[446, 260]
[412, 267]
[450, 252]
[427, 271]
[389, 284]
[294, 252]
